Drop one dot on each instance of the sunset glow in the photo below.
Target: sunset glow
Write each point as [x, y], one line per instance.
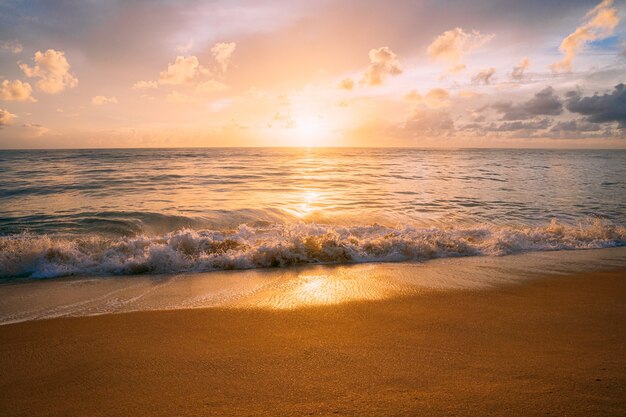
[283, 73]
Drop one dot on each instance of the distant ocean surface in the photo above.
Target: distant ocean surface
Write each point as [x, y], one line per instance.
[113, 212]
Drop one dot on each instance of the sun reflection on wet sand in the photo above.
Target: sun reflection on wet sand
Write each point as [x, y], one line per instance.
[326, 286]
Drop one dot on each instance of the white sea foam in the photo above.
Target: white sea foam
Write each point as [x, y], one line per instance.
[279, 245]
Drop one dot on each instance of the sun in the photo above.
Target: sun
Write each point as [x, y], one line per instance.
[311, 131]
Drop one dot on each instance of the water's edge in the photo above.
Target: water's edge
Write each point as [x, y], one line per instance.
[287, 288]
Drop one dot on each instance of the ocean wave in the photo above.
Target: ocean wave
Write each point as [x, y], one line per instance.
[280, 245]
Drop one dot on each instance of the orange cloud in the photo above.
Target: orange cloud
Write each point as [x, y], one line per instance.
[6, 117]
[383, 63]
[468, 94]
[222, 52]
[519, 70]
[176, 97]
[484, 76]
[346, 84]
[183, 70]
[435, 98]
[14, 47]
[282, 120]
[452, 45]
[35, 130]
[16, 91]
[210, 86]
[145, 85]
[600, 23]
[53, 71]
[100, 100]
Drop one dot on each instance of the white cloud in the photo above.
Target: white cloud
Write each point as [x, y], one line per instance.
[16, 90]
[53, 71]
[223, 52]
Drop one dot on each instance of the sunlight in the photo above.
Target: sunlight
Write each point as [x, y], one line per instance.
[311, 131]
[310, 197]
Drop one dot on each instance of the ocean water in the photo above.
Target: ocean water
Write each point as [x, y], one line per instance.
[138, 211]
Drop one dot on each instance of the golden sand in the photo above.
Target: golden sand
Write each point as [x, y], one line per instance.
[553, 346]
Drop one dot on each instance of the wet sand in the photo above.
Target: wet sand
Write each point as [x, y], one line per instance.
[551, 346]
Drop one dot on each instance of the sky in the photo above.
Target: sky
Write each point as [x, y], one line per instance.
[164, 73]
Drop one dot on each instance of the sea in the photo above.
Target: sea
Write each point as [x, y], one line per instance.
[114, 212]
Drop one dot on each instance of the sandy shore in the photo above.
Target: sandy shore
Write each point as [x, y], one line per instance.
[553, 346]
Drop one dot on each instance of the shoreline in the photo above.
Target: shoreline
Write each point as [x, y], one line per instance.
[287, 288]
[552, 345]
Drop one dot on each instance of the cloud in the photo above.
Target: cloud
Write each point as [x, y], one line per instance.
[6, 117]
[210, 86]
[544, 103]
[435, 98]
[600, 23]
[468, 94]
[383, 63]
[346, 84]
[583, 129]
[100, 100]
[16, 91]
[537, 124]
[222, 52]
[413, 96]
[484, 76]
[452, 45]
[183, 49]
[35, 129]
[12, 46]
[282, 120]
[519, 71]
[606, 108]
[183, 70]
[176, 97]
[145, 85]
[53, 71]
[575, 125]
[425, 123]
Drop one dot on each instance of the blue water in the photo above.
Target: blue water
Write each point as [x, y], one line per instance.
[67, 212]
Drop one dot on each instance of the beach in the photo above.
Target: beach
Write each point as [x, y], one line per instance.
[197, 282]
[551, 345]
[286, 208]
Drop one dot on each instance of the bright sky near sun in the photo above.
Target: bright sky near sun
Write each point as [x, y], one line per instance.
[166, 73]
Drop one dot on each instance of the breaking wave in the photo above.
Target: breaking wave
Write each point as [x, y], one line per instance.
[280, 245]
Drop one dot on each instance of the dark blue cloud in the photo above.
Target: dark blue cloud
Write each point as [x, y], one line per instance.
[605, 108]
